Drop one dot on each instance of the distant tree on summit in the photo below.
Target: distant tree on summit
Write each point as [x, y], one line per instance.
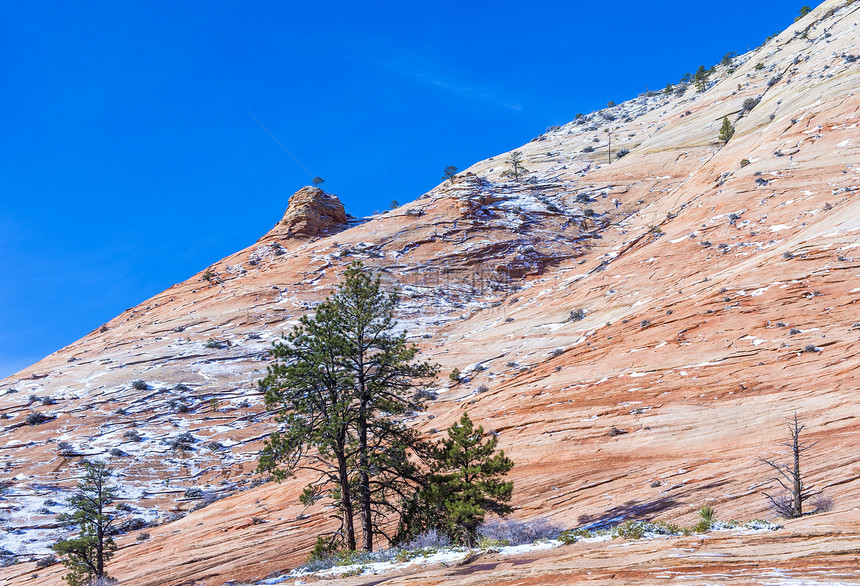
[450, 173]
[317, 181]
[803, 12]
[515, 162]
[727, 58]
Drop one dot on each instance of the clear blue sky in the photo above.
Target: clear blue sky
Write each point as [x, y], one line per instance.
[130, 157]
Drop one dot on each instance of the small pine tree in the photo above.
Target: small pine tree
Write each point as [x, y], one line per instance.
[450, 174]
[727, 131]
[317, 181]
[515, 161]
[86, 554]
[464, 484]
[701, 78]
[803, 12]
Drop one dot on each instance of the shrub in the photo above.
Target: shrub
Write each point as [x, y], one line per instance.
[183, 441]
[132, 436]
[630, 530]
[759, 66]
[645, 323]
[622, 153]
[822, 504]
[744, 163]
[514, 532]
[142, 536]
[194, 492]
[588, 149]
[139, 385]
[118, 453]
[576, 315]
[750, 103]
[455, 375]
[48, 560]
[482, 389]
[65, 447]
[213, 343]
[36, 418]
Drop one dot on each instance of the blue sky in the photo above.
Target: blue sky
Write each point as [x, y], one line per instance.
[131, 156]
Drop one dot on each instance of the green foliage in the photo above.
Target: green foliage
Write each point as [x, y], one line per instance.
[759, 66]
[515, 162]
[669, 89]
[701, 78]
[727, 131]
[803, 12]
[317, 181]
[86, 554]
[455, 375]
[340, 384]
[450, 174]
[630, 530]
[463, 486]
[727, 58]
[707, 513]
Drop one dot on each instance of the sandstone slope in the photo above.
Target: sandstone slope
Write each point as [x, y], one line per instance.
[718, 288]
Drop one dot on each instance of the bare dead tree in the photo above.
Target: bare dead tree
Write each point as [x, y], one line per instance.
[789, 504]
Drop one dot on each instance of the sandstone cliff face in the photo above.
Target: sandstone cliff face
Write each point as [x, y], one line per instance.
[718, 287]
[310, 212]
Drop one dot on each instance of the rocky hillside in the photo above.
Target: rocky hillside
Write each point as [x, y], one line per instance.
[635, 329]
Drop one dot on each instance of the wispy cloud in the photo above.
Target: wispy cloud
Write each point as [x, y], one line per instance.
[472, 92]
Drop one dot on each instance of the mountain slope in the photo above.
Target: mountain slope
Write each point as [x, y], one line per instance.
[717, 297]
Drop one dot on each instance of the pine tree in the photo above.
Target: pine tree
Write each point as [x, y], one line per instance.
[341, 385]
[450, 174]
[515, 161]
[86, 554]
[311, 393]
[727, 131]
[701, 78]
[317, 181]
[463, 486]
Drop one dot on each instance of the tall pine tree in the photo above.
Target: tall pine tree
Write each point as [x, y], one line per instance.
[342, 384]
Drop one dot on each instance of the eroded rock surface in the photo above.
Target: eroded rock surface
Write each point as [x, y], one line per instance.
[691, 294]
[310, 212]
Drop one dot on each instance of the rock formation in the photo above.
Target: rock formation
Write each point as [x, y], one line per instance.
[310, 212]
[691, 294]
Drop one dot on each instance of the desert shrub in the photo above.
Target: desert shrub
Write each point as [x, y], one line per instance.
[482, 389]
[428, 540]
[774, 80]
[622, 153]
[744, 163]
[213, 343]
[118, 453]
[630, 530]
[65, 447]
[588, 149]
[183, 441]
[811, 348]
[142, 536]
[139, 385]
[194, 492]
[132, 524]
[36, 418]
[706, 514]
[455, 375]
[48, 560]
[132, 436]
[645, 323]
[750, 103]
[576, 315]
[425, 395]
[822, 504]
[556, 352]
[514, 532]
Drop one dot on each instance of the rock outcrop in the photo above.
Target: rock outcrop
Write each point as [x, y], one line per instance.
[311, 212]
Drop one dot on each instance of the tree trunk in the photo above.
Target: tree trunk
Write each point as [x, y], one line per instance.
[364, 478]
[346, 502]
[797, 505]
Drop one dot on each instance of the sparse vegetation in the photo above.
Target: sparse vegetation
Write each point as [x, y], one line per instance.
[727, 131]
[139, 385]
[455, 375]
[36, 418]
[85, 555]
[450, 173]
[515, 164]
[789, 502]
